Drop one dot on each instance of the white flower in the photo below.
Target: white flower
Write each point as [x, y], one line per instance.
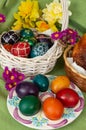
[53, 12]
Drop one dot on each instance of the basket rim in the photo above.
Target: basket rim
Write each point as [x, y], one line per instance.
[68, 64]
[34, 58]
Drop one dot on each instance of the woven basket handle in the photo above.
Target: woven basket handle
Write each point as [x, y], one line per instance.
[65, 21]
[65, 17]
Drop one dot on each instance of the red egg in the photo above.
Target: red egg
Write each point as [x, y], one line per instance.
[21, 49]
[68, 97]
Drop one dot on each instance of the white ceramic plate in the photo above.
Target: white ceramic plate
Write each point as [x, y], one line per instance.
[39, 121]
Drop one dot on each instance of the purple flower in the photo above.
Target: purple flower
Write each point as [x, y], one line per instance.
[21, 76]
[6, 74]
[56, 35]
[2, 18]
[70, 31]
[12, 78]
[8, 86]
[68, 36]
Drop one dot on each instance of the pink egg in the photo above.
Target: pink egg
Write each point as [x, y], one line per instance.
[21, 49]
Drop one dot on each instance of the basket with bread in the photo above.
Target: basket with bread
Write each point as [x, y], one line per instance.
[75, 63]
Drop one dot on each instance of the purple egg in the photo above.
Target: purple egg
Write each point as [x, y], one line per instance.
[26, 88]
[44, 38]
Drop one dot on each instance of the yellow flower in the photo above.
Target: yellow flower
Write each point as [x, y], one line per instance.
[29, 15]
[53, 12]
[42, 26]
[18, 24]
[53, 28]
[25, 25]
[30, 23]
[35, 11]
[25, 8]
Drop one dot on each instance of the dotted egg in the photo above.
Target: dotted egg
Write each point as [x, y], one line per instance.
[39, 49]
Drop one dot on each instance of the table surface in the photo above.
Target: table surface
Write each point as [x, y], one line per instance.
[77, 21]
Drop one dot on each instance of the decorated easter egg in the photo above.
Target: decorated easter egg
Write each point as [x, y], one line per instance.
[26, 88]
[26, 33]
[21, 49]
[31, 40]
[42, 82]
[7, 46]
[39, 49]
[29, 105]
[10, 37]
[44, 38]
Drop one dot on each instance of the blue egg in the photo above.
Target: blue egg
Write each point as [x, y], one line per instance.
[39, 49]
[41, 82]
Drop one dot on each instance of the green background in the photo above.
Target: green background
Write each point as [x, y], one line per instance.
[78, 22]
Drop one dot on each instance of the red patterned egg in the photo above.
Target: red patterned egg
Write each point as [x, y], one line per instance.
[21, 49]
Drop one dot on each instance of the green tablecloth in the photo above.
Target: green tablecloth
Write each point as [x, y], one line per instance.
[77, 20]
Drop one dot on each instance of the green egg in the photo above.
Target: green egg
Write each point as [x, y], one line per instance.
[42, 82]
[29, 105]
[26, 33]
[31, 41]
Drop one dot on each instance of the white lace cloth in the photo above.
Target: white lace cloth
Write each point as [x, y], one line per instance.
[78, 68]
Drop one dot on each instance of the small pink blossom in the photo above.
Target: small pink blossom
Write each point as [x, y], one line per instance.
[2, 18]
[12, 78]
[68, 36]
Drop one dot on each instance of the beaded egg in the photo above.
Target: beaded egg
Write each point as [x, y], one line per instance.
[21, 49]
[10, 37]
[31, 40]
[39, 49]
[26, 33]
[44, 38]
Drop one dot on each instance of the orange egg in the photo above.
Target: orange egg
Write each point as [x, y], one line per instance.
[52, 108]
[7, 47]
[59, 83]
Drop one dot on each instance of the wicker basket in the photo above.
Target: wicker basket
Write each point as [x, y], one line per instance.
[74, 76]
[40, 64]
